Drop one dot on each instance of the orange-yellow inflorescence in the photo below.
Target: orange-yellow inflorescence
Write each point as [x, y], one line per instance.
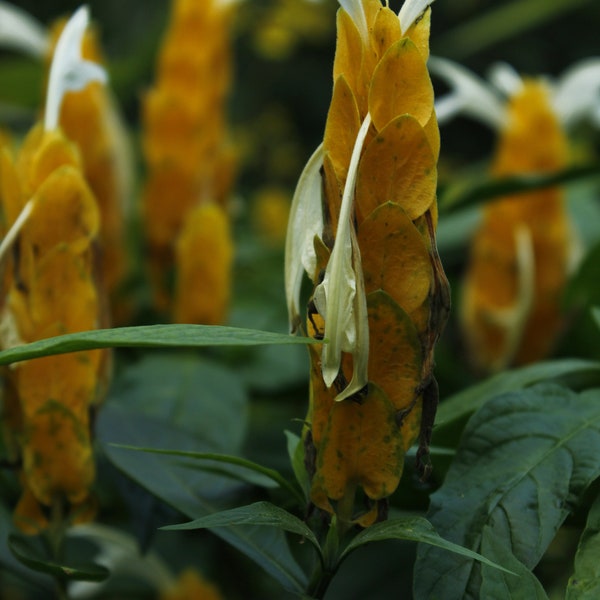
[520, 254]
[190, 162]
[379, 73]
[190, 585]
[49, 289]
[90, 119]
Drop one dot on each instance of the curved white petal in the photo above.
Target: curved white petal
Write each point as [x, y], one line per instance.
[335, 296]
[513, 319]
[505, 78]
[305, 222]
[69, 72]
[577, 92]
[360, 351]
[470, 95]
[411, 10]
[21, 31]
[356, 10]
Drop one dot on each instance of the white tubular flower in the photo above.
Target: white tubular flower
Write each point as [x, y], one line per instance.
[356, 10]
[346, 320]
[575, 96]
[577, 93]
[20, 31]
[505, 79]
[305, 222]
[411, 10]
[470, 95]
[69, 72]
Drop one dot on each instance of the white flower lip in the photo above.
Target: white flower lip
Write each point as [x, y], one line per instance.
[577, 93]
[411, 10]
[346, 319]
[305, 222]
[357, 12]
[69, 72]
[470, 95]
[21, 31]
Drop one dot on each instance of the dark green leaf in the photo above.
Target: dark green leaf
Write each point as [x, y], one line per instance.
[582, 289]
[31, 555]
[295, 448]
[596, 315]
[524, 461]
[414, 529]
[194, 493]
[263, 514]
[516, 184]
[148, 336]
[455, 411]
[258, 474]
[585, 582]
[523, 585]
[190, 392]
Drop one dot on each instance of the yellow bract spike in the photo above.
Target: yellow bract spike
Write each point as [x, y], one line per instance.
[379, 174]
[50, 290]
[533, 142]
[190, 161]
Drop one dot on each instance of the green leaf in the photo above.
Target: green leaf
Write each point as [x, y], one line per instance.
[524, 461]
[31, 554]
[498, 584]
[193, 393]
[596, 315]
[259, 475]
[516, 184]
[194, 493]
[582, 289]
[584, 584]
[148, 336]
[263, 514]
[414, 529]
[295, 448]
[454, 411]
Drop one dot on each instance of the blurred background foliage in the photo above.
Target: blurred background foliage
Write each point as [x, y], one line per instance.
[278, 106]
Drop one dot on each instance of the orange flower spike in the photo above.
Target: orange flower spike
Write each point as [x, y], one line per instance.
[52, 291]
[185, 142]
[90, 119]
[495, 287]
[381, 297]
[190, 585]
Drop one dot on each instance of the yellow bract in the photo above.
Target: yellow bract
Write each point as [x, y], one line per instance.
[360, 441]
[499, 328]
[190, 161]
[204, 254]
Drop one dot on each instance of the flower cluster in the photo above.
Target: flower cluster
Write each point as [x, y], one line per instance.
[363, 227]
[190, 164]
[521, 253]
[49, 288]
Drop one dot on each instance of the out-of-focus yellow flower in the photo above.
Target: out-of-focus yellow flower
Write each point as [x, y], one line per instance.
[287, 23]
[190, 161]
[89, 118]
[520, 255]
[52, 222]
[270, 214]
[364, 231]
[191, 586]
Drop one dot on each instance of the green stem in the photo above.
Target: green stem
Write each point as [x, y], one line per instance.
[340, 524]
[56, 536]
